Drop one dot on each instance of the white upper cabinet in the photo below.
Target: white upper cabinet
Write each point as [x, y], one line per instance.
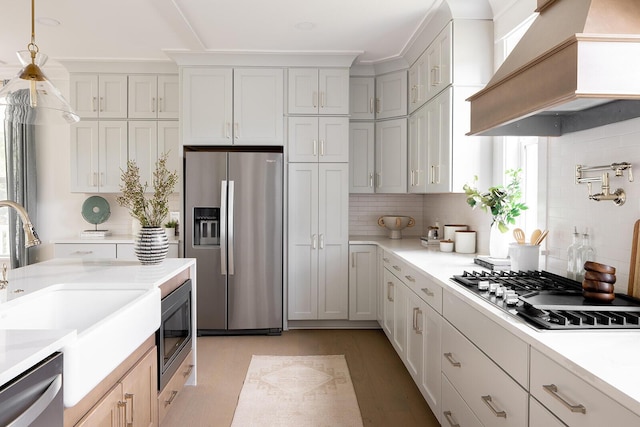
[361, 157]
[417, 159]
[391, 95]
[438, 144]
[98, 155]
[99, 96]
[319, 139]
[153, 96]
[362, 98]
[438, 64]
[418, 80]
[318, 91]
[221, 106]
[391, 156]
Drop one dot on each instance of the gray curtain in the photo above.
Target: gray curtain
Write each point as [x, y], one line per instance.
[21, 177]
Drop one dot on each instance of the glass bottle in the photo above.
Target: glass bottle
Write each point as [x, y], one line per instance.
[572, 255]
[585, 253]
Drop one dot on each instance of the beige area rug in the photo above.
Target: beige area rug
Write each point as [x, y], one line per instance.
[297, 391]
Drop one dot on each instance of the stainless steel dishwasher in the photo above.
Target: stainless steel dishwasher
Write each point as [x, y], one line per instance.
[34, 398]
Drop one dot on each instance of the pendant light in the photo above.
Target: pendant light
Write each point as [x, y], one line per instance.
[29, 97]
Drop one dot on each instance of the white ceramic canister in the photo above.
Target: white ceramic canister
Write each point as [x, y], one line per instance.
[524, 257]
[465, 241]
[450, 230]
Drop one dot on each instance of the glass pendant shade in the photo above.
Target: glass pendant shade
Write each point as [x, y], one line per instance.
[30, 98]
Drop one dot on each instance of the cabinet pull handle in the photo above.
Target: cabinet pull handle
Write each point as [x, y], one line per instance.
[378, 180]
[129, 396]
[173, 395]
[389, 295]
[428, 292]
[321, 241]
[452, 422]
[418, 322]
[315, 148]
[437, 174]
[371, 105]
[314, 241]
[395, 267]
[237, 130]
[122, 407]
[378, 105]
[433, 175]
[322, 99]
[487, 400]
[552, 389]
[101, 180]
[315, 99]
[437, 72]
[322, 147]
[93, 103]
[160, 105]
[453, 361]
[411, 179]
[228, 130]
[432, 73]
[385, 259]
[415, 319]
[101, 103]
[371, 180]
[410, 278]
[82, 253]
[188, 371]
[153, 105]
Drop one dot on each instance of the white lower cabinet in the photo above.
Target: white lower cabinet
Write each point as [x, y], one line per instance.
[363, 282]
[318, 279]
[495, 398]
[571, 399]
[455, 412]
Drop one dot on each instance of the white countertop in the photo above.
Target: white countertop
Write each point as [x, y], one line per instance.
[607, 359]
[115, 238]
[21, 349]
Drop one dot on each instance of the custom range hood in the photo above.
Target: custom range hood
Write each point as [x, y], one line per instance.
[576, 68]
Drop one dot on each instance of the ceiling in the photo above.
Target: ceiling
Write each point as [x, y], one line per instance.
[144, 30]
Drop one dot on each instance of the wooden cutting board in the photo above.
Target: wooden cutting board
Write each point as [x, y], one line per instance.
[634, 270]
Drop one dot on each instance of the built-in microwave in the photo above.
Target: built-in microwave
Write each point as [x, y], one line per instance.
[175, 335]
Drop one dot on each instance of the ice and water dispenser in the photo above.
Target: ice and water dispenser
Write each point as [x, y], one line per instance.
[206, 226]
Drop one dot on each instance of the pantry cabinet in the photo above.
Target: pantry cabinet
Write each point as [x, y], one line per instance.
[132, 401]
[98, 156]
[362, 98]
[318, 91]
[363, 282]
[153, 96]
[223, 106]
[318, 139]
[318, 230]
[99, 95]
[361, 157]
[391, 156]
[391, 95]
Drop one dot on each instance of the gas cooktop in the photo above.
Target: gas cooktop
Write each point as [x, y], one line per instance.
[548, 301]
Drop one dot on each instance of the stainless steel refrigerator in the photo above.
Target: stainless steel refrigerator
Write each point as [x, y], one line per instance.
[234, 228]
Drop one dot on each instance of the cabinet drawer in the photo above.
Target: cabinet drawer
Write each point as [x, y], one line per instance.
[454, 411]
[173, 388]
[85, 250]
[426, 288]
[490, 393]
[512, 354]
[539, 416]
[393, 264]
[572, 399]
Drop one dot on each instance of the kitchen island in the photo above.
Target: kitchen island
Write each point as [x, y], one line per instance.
[605, 360]
[106, 308]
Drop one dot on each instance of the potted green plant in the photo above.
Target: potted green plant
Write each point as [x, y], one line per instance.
[503, 202]
[170, 228]
[151, 245]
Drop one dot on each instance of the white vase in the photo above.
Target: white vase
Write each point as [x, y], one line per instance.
[151, 245]
[498, 242]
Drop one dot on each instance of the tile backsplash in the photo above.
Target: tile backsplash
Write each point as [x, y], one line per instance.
[365, 209]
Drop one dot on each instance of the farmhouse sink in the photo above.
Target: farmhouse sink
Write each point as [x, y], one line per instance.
[110, 320]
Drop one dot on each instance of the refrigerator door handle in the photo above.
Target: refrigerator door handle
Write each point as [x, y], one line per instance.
[223, 227]
[230, 220]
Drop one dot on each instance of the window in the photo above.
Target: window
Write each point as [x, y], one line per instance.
[4, 212]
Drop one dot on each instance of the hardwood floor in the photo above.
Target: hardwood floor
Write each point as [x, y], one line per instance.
[386, 393]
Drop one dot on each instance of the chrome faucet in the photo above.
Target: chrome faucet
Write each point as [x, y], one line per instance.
[30, 235]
